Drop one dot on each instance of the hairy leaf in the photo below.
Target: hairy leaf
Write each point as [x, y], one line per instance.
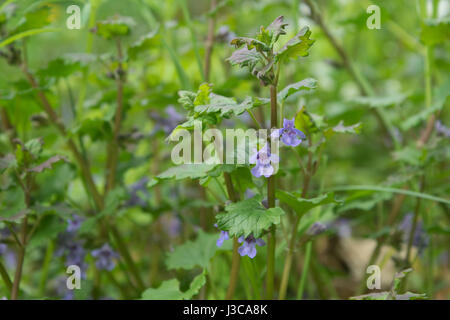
[248, 217]
[298, 87]
[298, 46]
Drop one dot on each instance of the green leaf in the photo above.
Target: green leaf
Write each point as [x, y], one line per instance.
[303, 121]
[435, 31]
[250, 43]
[298, 87]
[248, 217]
[170, 289]
[193, 254]
[301, 205]
[227, 107]
[276, 29]
[245, 58]
[297, 47]
[114, 27]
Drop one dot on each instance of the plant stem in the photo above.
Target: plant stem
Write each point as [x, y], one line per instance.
[235, 261]
[5, 277]
[84, 165]
[271, 185]
[187, 17]
[113, 147]
[127, 257]
[289, 256]
[414, 224]
[210, 41]
[46, 265]
[21, 257]
[301, 287]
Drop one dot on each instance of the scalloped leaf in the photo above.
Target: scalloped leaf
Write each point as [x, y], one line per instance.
[303, 86]
[248, 217]
[297, 47]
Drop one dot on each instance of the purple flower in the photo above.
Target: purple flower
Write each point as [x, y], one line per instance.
[263, 160]
[223, 236]
[74, 224]
[105, 256]
[289, 134]
[75, 254]
[441, 129]
[248, 247]
[138, 194]
[316, 229]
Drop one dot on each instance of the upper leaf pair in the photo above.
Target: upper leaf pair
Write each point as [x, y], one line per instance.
[259, 55]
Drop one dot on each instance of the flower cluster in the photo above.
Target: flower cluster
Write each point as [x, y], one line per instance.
[248, 247]
[263, 159]
[70, 247]
[290, 136]
[105, 257]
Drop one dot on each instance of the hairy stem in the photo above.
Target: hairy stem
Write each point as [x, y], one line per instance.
[235, 258]
[291, 245]
[210, 41]
[271, 185]
[113, 147]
